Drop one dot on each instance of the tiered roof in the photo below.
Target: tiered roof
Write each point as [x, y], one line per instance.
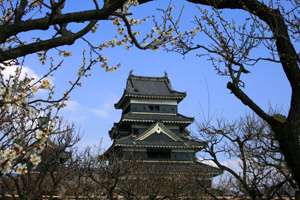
[166, 118]
[166, 131]
[149, 88]
[159, 136]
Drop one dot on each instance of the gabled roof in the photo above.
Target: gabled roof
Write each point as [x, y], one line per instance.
[158, 128]
[147, 87]
[165, 138]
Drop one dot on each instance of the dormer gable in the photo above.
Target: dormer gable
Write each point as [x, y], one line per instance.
[159, 128]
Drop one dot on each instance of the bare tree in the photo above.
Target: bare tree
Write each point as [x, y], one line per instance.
[132, 179]
[271, 27]
[257, 169]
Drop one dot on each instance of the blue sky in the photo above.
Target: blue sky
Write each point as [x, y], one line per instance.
[91, 106]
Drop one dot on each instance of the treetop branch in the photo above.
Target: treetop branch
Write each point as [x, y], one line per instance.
[45, 44]
[44, 23]
[251, 104]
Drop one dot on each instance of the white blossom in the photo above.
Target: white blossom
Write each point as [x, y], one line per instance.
[35, 159]
[21, 168]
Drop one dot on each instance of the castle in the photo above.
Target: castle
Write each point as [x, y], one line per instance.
[153, 132]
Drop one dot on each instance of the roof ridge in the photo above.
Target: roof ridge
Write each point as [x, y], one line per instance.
[160, 78]
[163, 78]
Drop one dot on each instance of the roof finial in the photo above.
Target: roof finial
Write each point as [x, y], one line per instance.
[131, 72]
[167, 78]
[166, 75]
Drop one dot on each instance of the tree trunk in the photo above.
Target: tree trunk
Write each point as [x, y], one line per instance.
[289, 145]
[110, 195]
[297, 195]
[292, 131]
[288, 137]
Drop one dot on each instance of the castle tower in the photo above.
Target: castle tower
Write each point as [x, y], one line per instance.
[152, 131]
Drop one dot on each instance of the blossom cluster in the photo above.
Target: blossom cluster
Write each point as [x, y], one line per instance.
[160, 35]
[27, 123]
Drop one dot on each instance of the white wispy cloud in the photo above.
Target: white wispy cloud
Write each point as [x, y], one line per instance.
[72, 105]
[105, 110]
[25, 71]
[77, 112]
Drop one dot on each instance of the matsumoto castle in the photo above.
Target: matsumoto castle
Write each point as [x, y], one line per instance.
[152, 131]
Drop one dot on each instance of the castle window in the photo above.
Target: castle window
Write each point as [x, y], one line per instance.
[135, 130]
[159, 153]
[151, 108]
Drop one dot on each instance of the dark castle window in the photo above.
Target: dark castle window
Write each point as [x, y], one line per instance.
[159, 153]
[135, 130]
[153, 108]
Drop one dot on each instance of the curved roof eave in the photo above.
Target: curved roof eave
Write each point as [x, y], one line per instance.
[178, 97]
